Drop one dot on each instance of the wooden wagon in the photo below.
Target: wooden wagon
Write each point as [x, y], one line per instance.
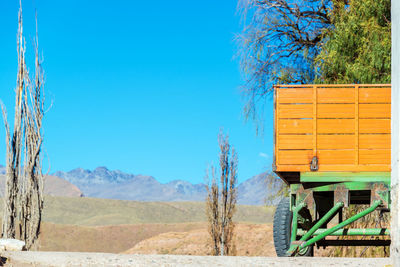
[332, 147]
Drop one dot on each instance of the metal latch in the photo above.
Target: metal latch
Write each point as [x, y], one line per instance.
[314, 164]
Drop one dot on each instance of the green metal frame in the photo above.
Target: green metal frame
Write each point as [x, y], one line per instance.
[332, 186]
[295, 220]
[304, 242]
[341, 183]
[323, 177]
[350, 232]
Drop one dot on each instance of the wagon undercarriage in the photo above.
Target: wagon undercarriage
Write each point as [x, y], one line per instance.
[316, 201]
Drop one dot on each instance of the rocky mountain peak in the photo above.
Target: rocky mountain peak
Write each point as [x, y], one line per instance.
[115, 184]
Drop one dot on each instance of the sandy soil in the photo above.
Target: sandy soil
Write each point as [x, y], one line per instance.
[47, 259]
[250, 240]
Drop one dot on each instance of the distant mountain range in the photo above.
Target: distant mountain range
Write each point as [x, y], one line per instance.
[53, 186]
[105, 183]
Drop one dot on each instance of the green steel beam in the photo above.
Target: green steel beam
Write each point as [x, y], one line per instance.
[340, 225]
[306, 177]
[294, 220]
[350, 232]
[321, 221]
[332, 186]
[348, 185]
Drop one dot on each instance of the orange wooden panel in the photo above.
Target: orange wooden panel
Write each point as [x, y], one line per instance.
[335, 110]
[374, 156]
[295, 95]
[335, 126]
[374, 110]
[335, 141]
[374, 126]
[336, 156]
[375, 95]
[295, 110]
[331, 85]
[295, 141]
[335, 168]
[295, 157]
[369, 141]
[295, 126]
[335, 95]
[294, 86]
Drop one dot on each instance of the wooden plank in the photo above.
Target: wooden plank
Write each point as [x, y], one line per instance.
[295, 111]
[374, 110]
[294, 85]
[356, 168]
[336, 111]
[295, 157]
[295, 95]
[375, 95]
[376, 126]
[335, 95]
[336, 141]
[295, 126]
[335, 126]
[315, 93]
[336, 156]
[374, 141]
[374, 156]
[356, 123]
[332, 85]
[336, 168]
[295, 141]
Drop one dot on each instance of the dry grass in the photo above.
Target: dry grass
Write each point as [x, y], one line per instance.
[96, 212]
[104, 225]
[112, 239]
[250, 240]
[372, 220]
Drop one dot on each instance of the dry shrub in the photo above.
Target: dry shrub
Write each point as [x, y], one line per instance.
[375, 219]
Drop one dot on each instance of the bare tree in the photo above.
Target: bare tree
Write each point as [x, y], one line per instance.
[212, 212]
[23, 199]
[277, 189]
[221, 200]
[279, 43]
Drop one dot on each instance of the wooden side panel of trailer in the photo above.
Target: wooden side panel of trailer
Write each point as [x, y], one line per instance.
[347, 127]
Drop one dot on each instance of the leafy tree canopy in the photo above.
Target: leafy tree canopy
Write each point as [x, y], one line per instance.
[312, 41]
[357, 49]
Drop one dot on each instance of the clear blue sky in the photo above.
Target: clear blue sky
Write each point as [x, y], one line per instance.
[139, 86]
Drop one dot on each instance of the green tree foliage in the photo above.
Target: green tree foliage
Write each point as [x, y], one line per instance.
[311, 41]
[357, 49]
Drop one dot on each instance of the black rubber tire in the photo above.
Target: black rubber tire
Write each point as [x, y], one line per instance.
[282, 229]
[282, 225]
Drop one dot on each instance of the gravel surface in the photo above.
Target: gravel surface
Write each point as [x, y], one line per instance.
[45, 259]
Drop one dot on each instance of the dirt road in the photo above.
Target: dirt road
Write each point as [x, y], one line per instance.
[47, 259]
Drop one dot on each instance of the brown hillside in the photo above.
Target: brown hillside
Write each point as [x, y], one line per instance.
[53, 186]
[251, 240]
[111, 239]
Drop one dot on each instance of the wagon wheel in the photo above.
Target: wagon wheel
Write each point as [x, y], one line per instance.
[282, 227]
